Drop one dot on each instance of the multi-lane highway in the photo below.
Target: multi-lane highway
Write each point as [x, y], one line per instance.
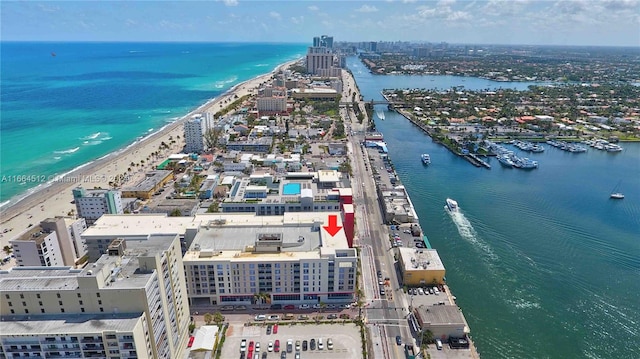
[385, 313]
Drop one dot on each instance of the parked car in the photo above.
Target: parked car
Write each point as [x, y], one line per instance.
[283, 355]
[329, 344]
[289, 307]
[297, 345]
[260, 317]
[304, 306]
[305, 345]
[332, 316]
[276, 306]
[257, 347]
[274, 317]
[270, 347]
[312, 344]
[289, 346]
[268, 329]
[243, 345]
[275, 329]
[398, 340]
[316, 306]
[276, 346]
[303, 317]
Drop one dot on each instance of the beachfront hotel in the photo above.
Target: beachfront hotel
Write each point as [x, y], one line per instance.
[54, 242]
[91, 204]
[130, 303]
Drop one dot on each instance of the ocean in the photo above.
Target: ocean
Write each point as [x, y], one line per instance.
[65, 104]
[542, 262]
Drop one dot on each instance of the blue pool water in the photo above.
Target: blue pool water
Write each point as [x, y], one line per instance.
[291, 188]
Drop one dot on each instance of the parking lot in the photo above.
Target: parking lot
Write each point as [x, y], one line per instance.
[346, 340]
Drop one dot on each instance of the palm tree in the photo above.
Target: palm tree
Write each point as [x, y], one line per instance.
[208, 318]
[7, 249]
[218, 318]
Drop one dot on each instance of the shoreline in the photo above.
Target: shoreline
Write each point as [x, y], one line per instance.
[54, 197]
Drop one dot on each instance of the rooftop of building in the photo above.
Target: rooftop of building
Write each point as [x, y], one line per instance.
[420, 259]
[69, 323]
[116, 271]
[139, 225]
[152, 178]
[237, 237]
[440, 315]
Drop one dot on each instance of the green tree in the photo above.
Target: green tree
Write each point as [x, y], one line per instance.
[208, 318]
[212, 138]
[218, 318]
[213, 207]
[7, 249]
[175, 213]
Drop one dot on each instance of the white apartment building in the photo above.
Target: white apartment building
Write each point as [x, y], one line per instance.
[131, 303]
[54, 242]
[91, 204]
[271, 104]
[290, 259]
[193, 135]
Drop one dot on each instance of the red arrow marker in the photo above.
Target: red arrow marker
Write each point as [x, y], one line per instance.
[333, 228]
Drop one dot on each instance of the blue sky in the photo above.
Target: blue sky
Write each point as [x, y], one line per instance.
[566, 22]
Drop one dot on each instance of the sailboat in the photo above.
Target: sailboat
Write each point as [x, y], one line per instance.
[615, 193]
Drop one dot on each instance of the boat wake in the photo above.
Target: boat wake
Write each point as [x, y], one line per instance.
[468, 233]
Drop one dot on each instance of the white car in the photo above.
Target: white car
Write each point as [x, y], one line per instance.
[316, 306]
[270, 347]
[274, 317]
[257, 347]
[243, 345]
[260, 317]
[303, 306]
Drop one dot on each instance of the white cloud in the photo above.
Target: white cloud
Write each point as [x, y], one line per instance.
[47, 8]
[313, 8]
[231, 2]
[275, 15]
[297, 20]
[367, 8]
[443, 3]
[459, 16]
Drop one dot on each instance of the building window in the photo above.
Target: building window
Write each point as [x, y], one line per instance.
[21, 296]
[61, 310]
[58, 295]
[60, 302]
[79, 295]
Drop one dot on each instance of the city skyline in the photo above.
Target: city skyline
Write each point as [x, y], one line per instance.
[519, 22]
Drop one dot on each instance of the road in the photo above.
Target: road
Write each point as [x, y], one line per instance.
[385, 314]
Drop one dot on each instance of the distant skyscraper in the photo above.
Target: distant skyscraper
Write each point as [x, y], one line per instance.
[318, 58]
[326, 41]
[323, 41]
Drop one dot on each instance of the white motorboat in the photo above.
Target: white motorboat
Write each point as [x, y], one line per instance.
[452, 205]
[426, 159]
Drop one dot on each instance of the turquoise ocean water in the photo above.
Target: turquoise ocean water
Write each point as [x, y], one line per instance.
[543, 263]
[90, 99]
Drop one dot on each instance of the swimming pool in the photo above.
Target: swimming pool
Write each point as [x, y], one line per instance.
[291, 188]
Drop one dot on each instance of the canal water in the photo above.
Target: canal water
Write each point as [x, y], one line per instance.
[543, 263]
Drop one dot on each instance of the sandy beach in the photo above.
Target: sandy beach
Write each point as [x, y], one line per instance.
[55, 199]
